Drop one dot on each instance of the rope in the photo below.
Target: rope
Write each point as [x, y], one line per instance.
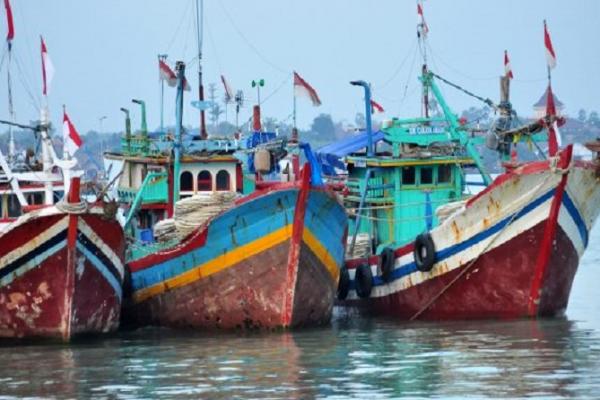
[486, 248]
[72, 208]
[484, 100]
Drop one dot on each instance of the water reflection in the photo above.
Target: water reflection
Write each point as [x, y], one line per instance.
[355, 358]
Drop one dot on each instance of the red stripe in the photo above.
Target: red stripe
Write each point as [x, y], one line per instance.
[527, 169]
[295, 244]
[549, 233]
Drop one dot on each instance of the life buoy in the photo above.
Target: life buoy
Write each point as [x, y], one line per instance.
[343, 284]
[424, 252]
[363, 281]
[387, 263]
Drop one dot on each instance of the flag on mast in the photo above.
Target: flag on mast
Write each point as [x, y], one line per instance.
[229, 95]
[507, 67]
[302, 88]
[9, 19]
[376, 107]
[71, 139]
[422, 23]
[554, 139]
[550, 54]
[47, 69]
[165, 73]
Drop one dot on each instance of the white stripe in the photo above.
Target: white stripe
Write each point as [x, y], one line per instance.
[33, 263]
[102, 246]
[33, 243]
[110, 278]
[568, 225]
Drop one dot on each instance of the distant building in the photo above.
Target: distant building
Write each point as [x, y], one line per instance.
[539, 108]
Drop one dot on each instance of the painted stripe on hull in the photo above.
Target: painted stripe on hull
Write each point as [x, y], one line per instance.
[102, 268]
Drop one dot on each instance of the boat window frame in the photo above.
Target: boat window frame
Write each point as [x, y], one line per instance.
[414, 175]
[226, 189]
[430, 168]
[206, 180]
[450, 176]
[189, 175]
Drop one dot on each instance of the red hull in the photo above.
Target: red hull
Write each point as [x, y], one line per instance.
[497, 287]
[60, 275]
[247, 295]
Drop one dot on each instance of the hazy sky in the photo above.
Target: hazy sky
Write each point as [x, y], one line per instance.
[104, 53]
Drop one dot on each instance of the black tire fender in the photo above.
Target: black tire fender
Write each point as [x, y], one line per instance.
[424, 252]
[363, 281]
[343, 284]
[388, 259]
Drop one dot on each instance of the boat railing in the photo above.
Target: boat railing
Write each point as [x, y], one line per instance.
[139, 146]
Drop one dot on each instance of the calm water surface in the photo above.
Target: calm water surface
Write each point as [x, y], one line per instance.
[353, 358]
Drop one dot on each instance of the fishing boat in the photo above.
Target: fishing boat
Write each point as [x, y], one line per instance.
[267, 260]
[433, 251]
[61, 258]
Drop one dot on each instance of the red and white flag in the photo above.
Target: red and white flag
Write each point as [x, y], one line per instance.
[507, 68]
[165, 73]
[422, 24]
[10, 34]
[302, 88]
[554, 139]
[376, 107]
[47, 69]
[550, 54]
[71, 139]
[228, 90]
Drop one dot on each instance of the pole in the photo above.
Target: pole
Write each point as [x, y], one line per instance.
[11, 111]
[367, 87]
[162, 57]
[180, 71]
[199, 18]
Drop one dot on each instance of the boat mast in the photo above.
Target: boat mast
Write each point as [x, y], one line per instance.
[422, 31]
[199, 18]
[180, 71]
[162, 57]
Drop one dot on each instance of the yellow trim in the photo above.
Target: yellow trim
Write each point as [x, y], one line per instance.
[239, 254]
[322, 254]
[217, 264]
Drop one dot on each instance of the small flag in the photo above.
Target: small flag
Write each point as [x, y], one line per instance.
[553, 133]
[302, 88]
[47, 69]
[376, 107]
[71, 139]
[165, 73]
[424, 29]
[507, 68]
[228, 90]
[550, 54]
[9, 19]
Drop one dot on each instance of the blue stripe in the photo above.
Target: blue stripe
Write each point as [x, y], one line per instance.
[574, 213]
[459, 247]
[326, 219]
[239, 226]
[33, 262]
[103, 269]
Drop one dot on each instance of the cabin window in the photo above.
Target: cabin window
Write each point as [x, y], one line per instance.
[14, 207]
[408, 175]
[186, 181]
[223, 180]
[426, 175]
[204, 181]
[444, 174]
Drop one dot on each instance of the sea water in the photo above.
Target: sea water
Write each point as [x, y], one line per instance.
[353, 358]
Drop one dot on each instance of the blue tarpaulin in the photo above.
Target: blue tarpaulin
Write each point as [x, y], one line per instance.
[330, 156]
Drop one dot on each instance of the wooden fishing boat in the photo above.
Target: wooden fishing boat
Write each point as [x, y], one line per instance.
[435, 251]
[268, 260]
[61, 271]
[61, 259]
